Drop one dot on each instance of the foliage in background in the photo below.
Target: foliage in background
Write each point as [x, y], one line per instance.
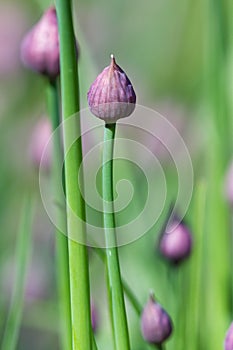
[180, 52]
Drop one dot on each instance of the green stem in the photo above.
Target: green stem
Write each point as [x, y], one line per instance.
[117, 305]
[132, 298]
[23, 250]
[217, 282]
[62, 257]
[196, 273]
[94, 345]
[78, 261]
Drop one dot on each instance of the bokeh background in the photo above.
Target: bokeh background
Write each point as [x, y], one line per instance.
[179, 57]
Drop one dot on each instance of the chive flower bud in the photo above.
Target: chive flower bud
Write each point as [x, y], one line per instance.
[156, 325]
[228, 344]
[176, 245]
[111, 96]
[40, 47]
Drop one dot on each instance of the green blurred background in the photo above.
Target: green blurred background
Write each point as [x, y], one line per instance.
[179, 57]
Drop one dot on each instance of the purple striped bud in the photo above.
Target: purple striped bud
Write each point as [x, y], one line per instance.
[111, 96]
[176, 245]
[40, 47]
[156, 325]
[228, 345]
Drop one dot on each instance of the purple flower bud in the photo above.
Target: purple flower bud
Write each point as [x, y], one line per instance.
[40, 47]
[111, 96]
[39, 139]
[156, 325]
[94, 317]
[176, 244]
[36, 286]
[228, 345]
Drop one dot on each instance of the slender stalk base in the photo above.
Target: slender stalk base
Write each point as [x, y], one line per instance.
[78, 260]
[117, 305]
[62, 257]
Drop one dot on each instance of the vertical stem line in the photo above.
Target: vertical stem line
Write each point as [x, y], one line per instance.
[218, 218]
[23, 250]
[117, 304]
[195, 325]
[78, 261]
[62, 257]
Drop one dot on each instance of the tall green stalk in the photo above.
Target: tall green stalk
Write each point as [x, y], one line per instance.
[62, 257]
[195, 274]
[78, 262]
[117, 304]
[218, 219]
[23, 250]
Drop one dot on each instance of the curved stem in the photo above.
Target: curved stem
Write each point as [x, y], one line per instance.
[62, 257]
[127, 290]
[117, 304]
[79, 273]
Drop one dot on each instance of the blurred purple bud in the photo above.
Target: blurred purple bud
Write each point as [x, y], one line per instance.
[94, 317]
[228, 344]
[40, 137]
[176, 244]
[40, 47]
[229, 185]
[111, 96]
[36, 286]
[156, 325]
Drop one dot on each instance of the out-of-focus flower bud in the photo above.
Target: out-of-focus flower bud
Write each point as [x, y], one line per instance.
[94, 316]
[36, 286]
[228, 345]
[176, 244]
[40, 47]
[156, 325]
[229, 185]
[39, 139]
[112, 96]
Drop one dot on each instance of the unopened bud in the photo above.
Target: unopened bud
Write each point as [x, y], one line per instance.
[112, 96]
[176, 244]
[40, 47]
[156, 325]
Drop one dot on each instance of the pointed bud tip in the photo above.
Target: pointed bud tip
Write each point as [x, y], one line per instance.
[113, 60]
